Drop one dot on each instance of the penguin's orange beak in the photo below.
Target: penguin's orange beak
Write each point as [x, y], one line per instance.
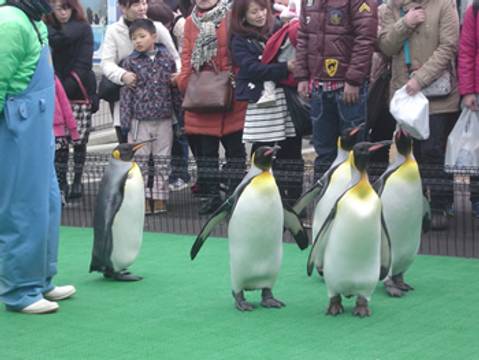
[139, 145]
[355, 130]
[379, 145]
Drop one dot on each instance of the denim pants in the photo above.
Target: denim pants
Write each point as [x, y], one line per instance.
[179, 153]
[330, 115]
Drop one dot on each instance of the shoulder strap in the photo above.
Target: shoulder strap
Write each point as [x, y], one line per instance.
[31, 21]
[80, 84]
[407, 49]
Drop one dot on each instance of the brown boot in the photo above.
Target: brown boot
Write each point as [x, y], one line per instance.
[148, 206]
[159, 207]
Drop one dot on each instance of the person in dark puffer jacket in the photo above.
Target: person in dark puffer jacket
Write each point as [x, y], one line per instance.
[71, 39]
[336, 42]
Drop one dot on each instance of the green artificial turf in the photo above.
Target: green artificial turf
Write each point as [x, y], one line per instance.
[184, 310]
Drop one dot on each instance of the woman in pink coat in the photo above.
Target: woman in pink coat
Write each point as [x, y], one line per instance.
[65, 130]
[468, 71]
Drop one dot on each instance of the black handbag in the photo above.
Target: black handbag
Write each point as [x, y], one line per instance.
[108, 90]
[299, 110]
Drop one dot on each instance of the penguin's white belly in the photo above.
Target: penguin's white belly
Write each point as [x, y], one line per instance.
[337, 185]
[352, 254]
[127, 227]
[403, 211]
[255, 234]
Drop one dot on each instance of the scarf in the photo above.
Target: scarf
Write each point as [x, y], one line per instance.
[206, 44]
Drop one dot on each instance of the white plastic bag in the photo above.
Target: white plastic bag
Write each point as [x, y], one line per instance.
[462, 150]
[411, 113]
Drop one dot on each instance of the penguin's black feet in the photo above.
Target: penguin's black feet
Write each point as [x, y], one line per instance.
[121, 275]
[240, 302]
[269, 301]
[394, 291]
[335, 307]
[361, 308]
[319, 270]
[398, 281]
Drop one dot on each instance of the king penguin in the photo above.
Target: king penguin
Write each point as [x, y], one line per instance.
[352, 244]
[405, 211]
[337, 176]
[119, 216]
[257, 218]
[332, 184]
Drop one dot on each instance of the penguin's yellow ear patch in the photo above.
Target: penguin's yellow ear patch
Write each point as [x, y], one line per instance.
[116, 154]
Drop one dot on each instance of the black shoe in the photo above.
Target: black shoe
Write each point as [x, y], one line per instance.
[76, 190]
[209, 205]
[439, 220]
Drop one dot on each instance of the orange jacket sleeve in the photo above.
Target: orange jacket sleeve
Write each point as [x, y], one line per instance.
[188, 43]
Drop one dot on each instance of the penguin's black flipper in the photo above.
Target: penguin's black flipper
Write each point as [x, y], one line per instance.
[426, 215]
[385, 250]
[308, 197]
[108, 201]
[219, 215]
[317, 191]
[320, 241]
[292, 222]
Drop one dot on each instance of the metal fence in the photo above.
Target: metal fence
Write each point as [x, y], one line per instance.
[460, 238]
[102, 119]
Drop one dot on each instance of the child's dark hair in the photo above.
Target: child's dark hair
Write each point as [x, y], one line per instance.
[145, 24]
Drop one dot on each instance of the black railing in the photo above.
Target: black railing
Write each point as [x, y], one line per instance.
[459, 238]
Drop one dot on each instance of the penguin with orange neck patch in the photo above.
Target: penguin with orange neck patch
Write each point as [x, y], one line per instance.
[119, 215]
[406, 211]
[257, 218]
[352, 244]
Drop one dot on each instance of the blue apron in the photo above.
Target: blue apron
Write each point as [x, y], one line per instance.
[29, 195]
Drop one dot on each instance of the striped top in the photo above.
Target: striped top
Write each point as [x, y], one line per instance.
[267, 124]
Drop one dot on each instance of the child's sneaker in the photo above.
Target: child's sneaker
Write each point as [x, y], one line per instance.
[178, 185]
[159, 207]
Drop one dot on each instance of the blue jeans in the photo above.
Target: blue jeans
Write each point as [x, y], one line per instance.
[330, 116]
[179, 152]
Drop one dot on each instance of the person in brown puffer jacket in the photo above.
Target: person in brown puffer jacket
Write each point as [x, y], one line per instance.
[333, 58]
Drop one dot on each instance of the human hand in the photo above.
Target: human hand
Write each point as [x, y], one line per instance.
[415, 17]
[350, 94]
[412, 87]
[303, 88]
[291, 64]
[470, 102]
[129, 79]
[173, 79]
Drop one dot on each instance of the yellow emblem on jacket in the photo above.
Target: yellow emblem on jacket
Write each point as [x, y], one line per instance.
[364, 7]
[331, 66]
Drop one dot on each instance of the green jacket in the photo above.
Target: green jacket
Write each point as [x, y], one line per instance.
[19, 50]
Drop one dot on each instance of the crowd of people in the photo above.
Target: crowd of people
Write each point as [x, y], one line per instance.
[296, 68]
[309, 51]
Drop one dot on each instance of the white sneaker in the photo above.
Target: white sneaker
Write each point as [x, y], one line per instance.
[60, 293]
[178, 185]
[42, 306]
